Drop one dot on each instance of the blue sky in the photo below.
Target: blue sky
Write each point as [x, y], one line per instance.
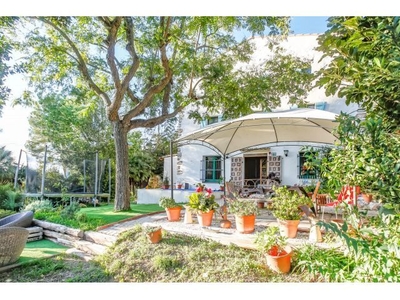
[313, 24]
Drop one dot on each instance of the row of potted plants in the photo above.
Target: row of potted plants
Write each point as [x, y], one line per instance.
[273, 240]
[285, 207]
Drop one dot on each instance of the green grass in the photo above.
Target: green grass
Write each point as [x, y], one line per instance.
[40, 249]
[183, 258]
[90, 218]
[108, 215]
[61, 268]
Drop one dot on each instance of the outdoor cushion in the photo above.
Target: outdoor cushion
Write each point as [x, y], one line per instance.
[21, 219]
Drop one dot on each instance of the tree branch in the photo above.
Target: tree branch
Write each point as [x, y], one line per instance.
[81, 62]
[132, 96]
[149, 123]
[153, 90]
[130, 46]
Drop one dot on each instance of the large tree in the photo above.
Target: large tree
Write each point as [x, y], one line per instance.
[148, 69]
[5, 56]
[365, 65]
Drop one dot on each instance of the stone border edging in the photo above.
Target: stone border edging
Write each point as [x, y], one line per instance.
[129, 219]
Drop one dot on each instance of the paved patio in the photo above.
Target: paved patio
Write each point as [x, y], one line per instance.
[214, 232]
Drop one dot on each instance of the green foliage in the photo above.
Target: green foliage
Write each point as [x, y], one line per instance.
[150, 229]
[7, 168]
[62, 268]
[367, 155]
[185, 259]
[9, 198]
[69, 211]
[166, 180]
[326, 265]
[4, 213]
[243, 207]
[39, 205]
[365, 65]
[286, 204]
[78, 221]
[167, 202]
[269, 239]
[202, 202]
[5, 57]
[372, 251]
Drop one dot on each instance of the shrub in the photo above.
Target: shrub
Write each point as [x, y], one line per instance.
[286, 204]
[243, 207]
[70, 210]
[167, 202]
[202, 202]
[39, 205]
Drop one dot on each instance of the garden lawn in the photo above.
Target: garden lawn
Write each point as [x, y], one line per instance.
[40, 249]
[108, 215]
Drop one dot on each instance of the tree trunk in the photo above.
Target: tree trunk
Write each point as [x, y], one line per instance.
[122, 195]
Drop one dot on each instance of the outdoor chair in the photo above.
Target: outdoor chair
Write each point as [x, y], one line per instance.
[345, 195]
[12, 243]
[232, 192]
[21, 219]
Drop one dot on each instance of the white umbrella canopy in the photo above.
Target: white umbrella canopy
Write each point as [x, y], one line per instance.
[295, 125]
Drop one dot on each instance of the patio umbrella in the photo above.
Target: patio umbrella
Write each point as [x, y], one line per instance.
[266, 128]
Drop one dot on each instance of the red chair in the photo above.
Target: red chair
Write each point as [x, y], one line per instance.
[346, 195]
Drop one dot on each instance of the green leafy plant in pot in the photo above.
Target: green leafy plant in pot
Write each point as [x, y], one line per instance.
[166, 182]
[153, 233]
[245, 212]
[172, 208]
[275, 247]
[203, 204]
[285, 207]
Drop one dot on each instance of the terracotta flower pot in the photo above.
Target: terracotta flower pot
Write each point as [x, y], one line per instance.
[367, 198]
[205, 218]
[155, 236]
[280, 263]
[225, 223]
[245, 224]
[260, 204]
[289, 228]
[173, 213]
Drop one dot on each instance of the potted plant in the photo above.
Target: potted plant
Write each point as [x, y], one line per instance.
[203, 204]
[179, 185]
[166, 182]
[153, 233]
[200, 187]
[274, 246]
[172, 209]
[245, 212]
[285, 207]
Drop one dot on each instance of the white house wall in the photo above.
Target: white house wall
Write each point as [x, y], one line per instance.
[300, 45]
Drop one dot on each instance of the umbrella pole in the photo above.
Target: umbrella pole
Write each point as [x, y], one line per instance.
[224, 157]
[172, 169]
